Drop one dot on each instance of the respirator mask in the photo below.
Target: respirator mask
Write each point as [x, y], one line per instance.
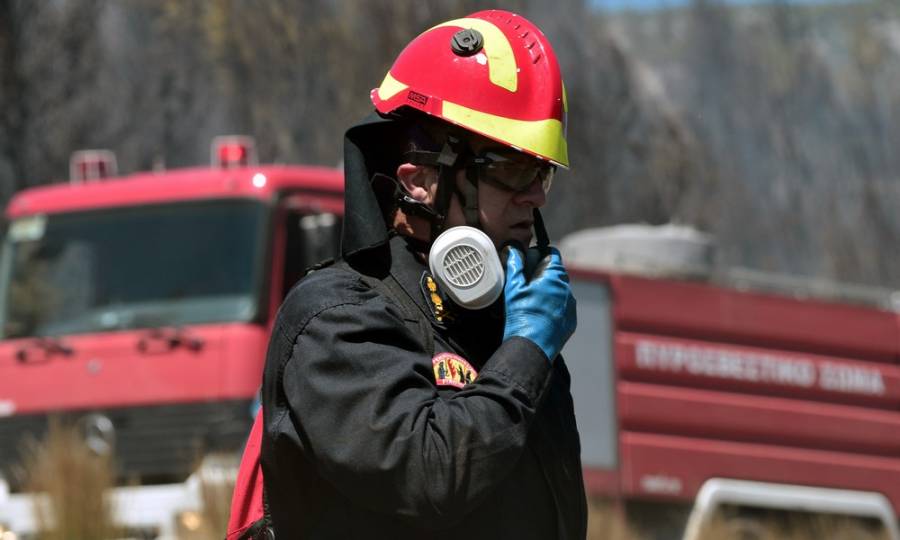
[466, 266]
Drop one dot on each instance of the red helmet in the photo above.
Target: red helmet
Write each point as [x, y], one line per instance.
[493, 73]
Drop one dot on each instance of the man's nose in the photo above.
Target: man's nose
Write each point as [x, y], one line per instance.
[533, 195]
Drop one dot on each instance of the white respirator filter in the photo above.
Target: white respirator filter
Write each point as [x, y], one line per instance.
[465, 265]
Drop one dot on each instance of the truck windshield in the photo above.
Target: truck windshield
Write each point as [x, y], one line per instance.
[162, 265]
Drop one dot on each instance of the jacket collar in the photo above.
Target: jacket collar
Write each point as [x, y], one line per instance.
[408, 269]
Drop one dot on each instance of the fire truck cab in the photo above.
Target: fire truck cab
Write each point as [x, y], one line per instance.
[139, 307]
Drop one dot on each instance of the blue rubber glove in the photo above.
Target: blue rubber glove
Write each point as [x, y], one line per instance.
[542, 309]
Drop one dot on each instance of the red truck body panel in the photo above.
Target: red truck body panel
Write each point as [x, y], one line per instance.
[111, 369]
[715, 382]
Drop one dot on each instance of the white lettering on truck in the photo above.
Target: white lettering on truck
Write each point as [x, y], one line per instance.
[850, 379]
[762, 368]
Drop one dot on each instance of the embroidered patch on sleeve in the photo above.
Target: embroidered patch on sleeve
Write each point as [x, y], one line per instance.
[452, 370]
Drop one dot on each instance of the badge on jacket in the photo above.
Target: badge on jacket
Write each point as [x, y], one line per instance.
[452, 370]
[434, 299]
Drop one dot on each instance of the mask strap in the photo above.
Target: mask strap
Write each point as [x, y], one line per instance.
[448, 162]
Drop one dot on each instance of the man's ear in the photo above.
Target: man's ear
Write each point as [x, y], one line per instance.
[415, 179]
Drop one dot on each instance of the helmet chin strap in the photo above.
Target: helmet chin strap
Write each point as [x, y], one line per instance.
[449, 160]
[453, 158]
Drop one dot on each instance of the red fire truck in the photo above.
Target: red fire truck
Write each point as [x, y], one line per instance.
[742, 392]
[139, 307]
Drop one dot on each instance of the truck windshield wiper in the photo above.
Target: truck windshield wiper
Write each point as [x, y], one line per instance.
[41, 350]
[160, 340]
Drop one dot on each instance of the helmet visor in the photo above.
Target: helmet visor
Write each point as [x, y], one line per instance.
[513, 171]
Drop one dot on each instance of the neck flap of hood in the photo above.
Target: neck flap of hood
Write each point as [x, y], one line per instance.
[370, 147]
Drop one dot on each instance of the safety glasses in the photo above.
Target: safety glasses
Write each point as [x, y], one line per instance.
[513, 171]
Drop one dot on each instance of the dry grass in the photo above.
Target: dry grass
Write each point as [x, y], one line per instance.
[74, 481]
[217, 478]
[606, 522]
[797, 527]
[216, 488]
[216, 507]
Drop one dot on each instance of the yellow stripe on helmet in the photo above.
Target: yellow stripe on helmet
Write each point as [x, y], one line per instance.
[544, 138]
[390, 87]
[502, 68]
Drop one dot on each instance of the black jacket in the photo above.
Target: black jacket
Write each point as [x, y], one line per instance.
[360, 441]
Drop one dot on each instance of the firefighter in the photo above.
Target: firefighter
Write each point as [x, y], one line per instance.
[397, 404]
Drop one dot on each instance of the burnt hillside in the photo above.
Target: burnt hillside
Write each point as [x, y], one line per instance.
[798, 112]
[774, 127]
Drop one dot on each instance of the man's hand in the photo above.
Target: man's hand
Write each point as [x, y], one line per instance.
[541, 309]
